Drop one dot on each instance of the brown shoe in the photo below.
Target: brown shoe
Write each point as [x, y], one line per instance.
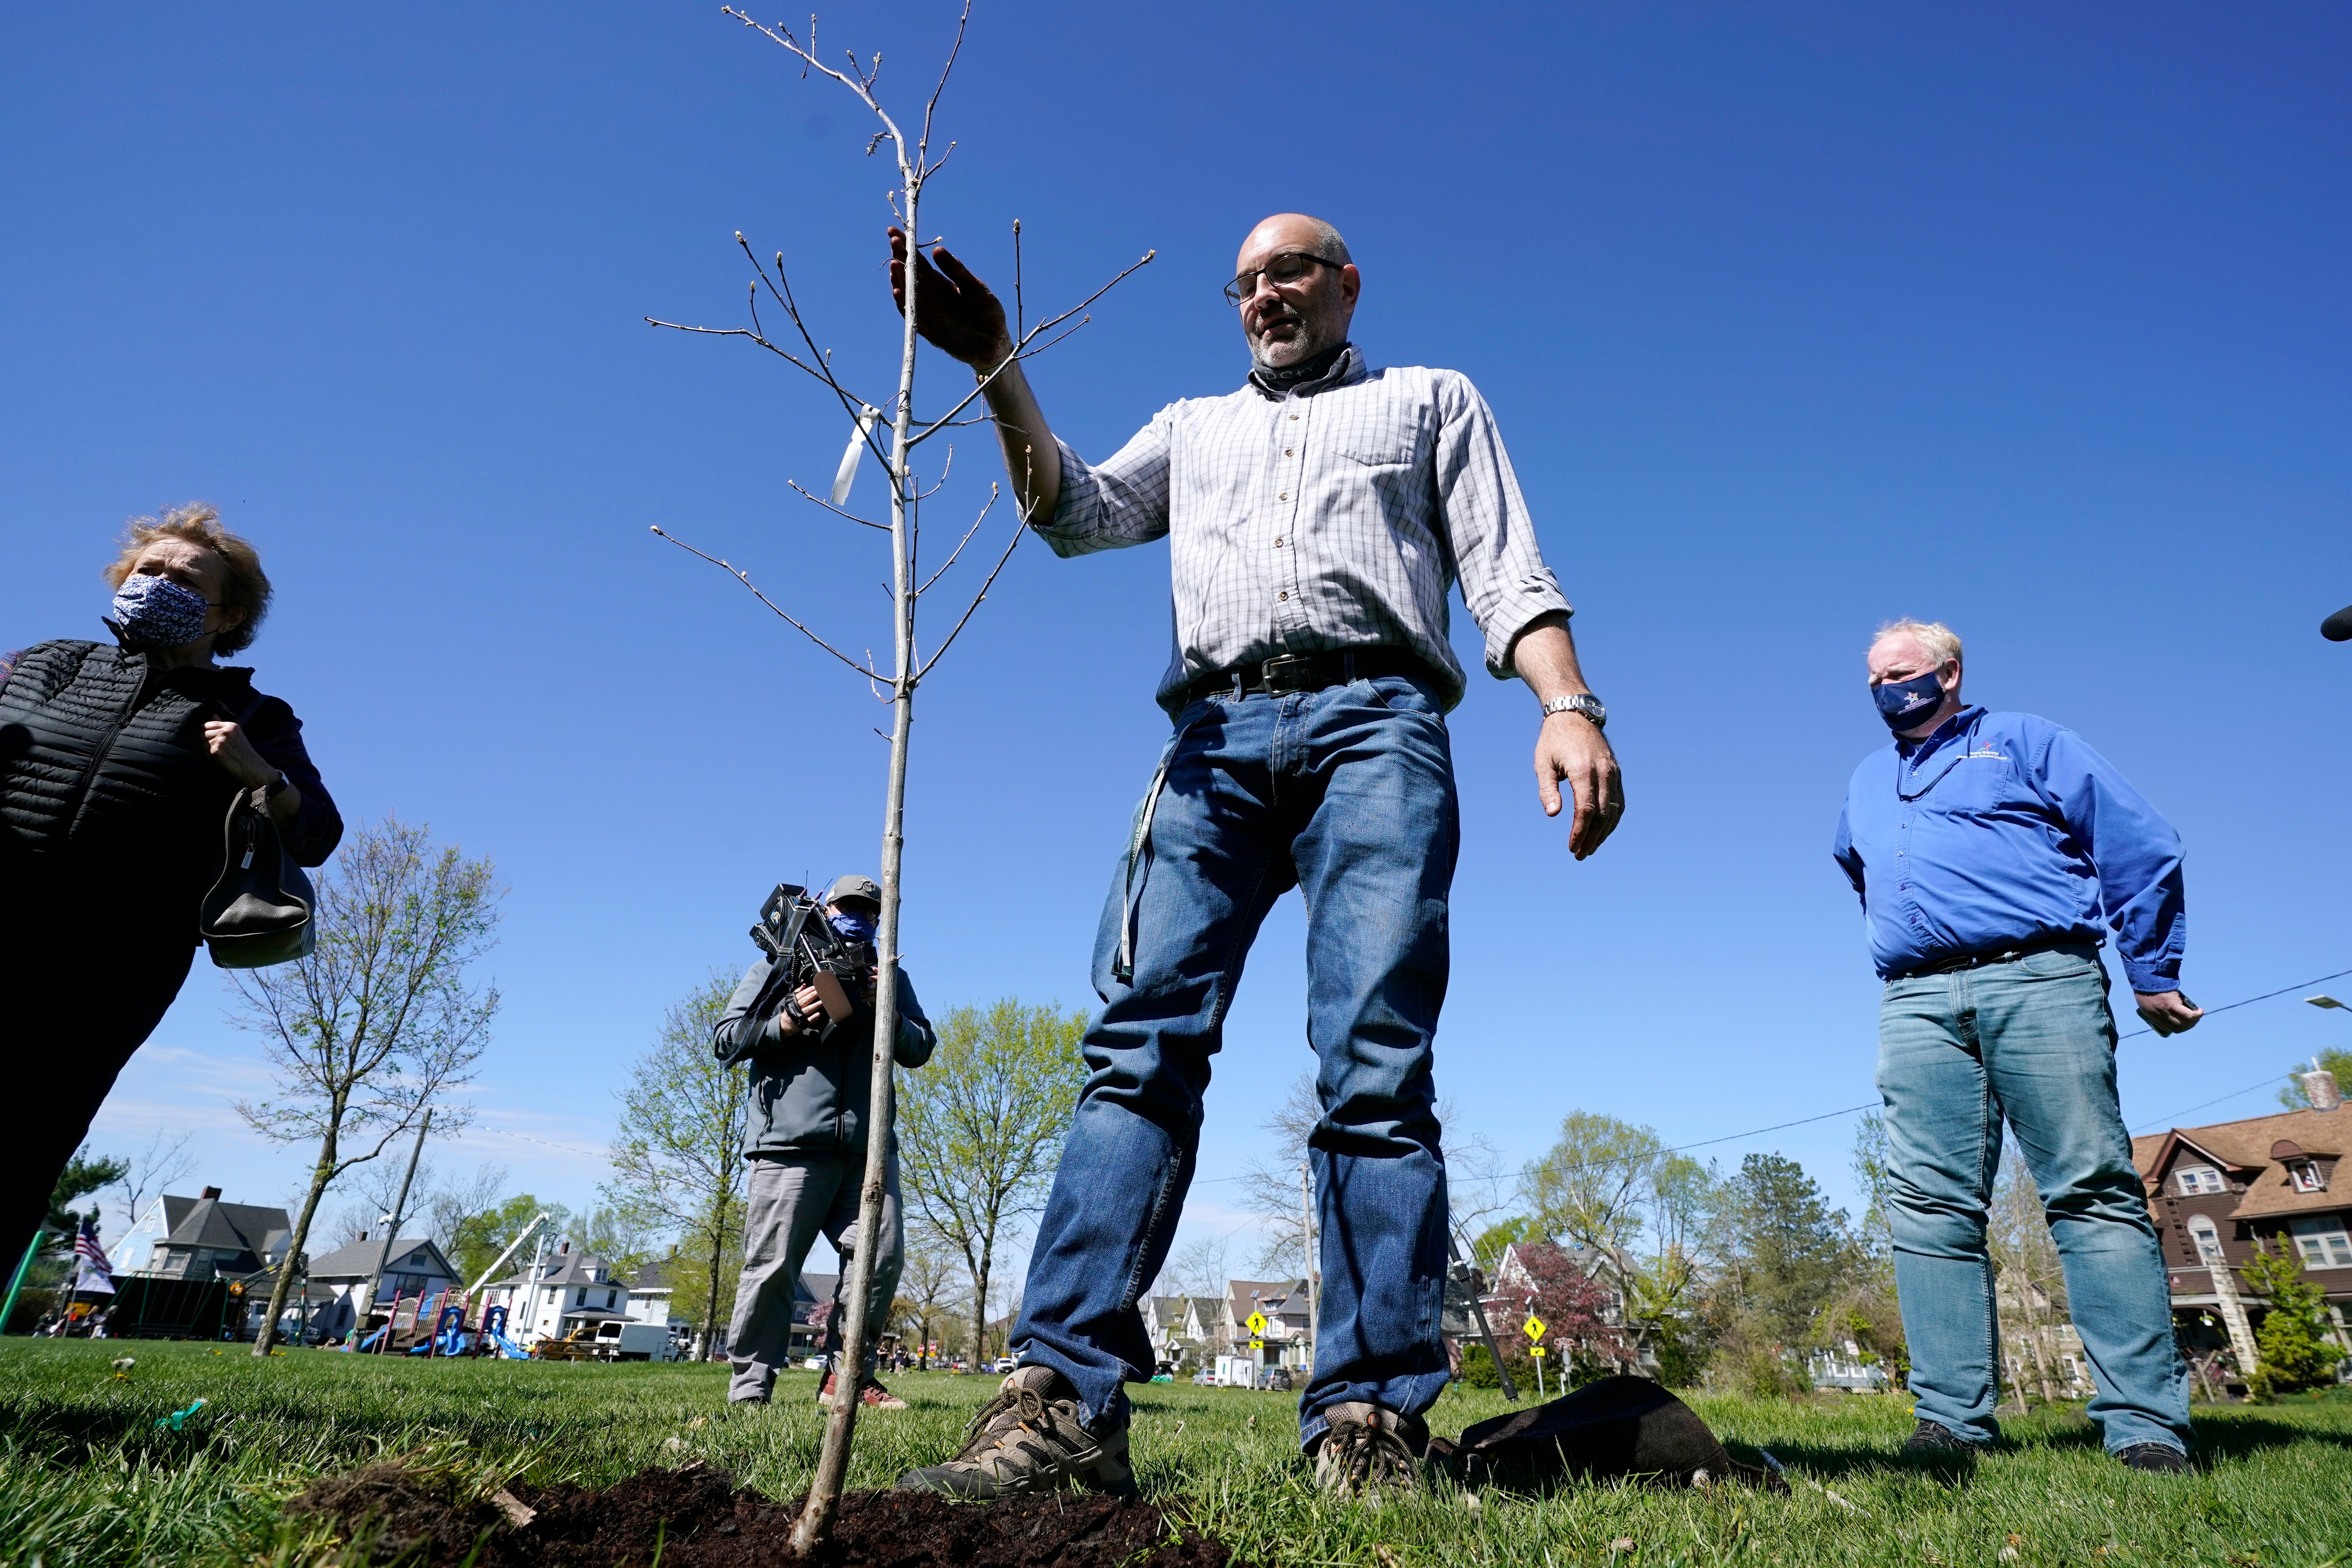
[871, 1393]
[1033, 1437]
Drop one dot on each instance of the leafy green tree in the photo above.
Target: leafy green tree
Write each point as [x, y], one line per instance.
[375, 1026]
[82, 1176]
[478, 1238]
[677, 1159]
[1791, 1252]
[1488, 1248]
[2292, 1344]
[2295, 1097]
[1591, 1189]
[981, 1129]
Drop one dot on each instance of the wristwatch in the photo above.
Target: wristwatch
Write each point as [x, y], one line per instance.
[276, 786]
[1583, 703]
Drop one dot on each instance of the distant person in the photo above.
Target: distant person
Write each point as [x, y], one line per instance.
[117, 762]
[812, 1086]
[1320, 518]
[1991, 850]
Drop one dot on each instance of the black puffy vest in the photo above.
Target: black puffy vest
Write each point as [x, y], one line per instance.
[110, 801]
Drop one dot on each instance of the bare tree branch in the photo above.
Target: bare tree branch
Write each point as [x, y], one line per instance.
[992, 492]
[1020, 350]
[978, 600]
[745, 579]
[836, 511]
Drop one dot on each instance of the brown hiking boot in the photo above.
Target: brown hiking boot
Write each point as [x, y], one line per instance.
[871, 1393]
[1033, 1437]
[1369, 1453]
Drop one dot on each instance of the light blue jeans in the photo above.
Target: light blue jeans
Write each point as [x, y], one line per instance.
[2031, 1041]
[1347, 794]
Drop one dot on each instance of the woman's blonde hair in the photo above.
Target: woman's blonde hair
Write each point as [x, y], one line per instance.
[199, 524]
[1938, 641]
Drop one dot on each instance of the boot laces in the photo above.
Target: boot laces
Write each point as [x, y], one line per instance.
[1370, 1452]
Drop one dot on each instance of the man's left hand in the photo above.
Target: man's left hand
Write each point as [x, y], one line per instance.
[2167, 1012]
[1571, 749]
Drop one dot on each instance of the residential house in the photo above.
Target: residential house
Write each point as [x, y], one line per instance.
[571, 1289]
[415, 1264]
[2218, 1192]
[1514, 1285]
[650, 1289]
[204, 1239]
[1289, 1336]
[1182, 1330]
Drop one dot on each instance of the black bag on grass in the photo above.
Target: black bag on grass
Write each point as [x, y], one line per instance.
[1617, 1426]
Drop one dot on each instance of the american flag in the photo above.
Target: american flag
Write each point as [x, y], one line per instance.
[92, 1271]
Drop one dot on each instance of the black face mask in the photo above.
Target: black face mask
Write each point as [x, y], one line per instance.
[1906, 704]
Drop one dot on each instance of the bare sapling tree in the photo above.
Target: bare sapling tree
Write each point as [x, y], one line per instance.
[145, 1178]
[909, 667]
[377, 1025]
[677, 1160]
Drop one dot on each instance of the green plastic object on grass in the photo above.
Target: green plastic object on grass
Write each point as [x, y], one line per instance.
[176, 1416]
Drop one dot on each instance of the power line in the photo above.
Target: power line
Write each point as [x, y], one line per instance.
[1849, 1109]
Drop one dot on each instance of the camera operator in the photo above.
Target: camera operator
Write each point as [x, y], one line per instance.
[811, 1067]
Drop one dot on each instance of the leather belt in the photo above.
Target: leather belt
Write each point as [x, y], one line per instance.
[1309, 672]
[2015, 951]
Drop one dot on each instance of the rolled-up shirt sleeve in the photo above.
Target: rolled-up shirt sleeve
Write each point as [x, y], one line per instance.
[1119, 502]
[1496, 559]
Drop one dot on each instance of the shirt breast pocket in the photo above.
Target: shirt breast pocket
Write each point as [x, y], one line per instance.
[1986, 787]
[1377, 447]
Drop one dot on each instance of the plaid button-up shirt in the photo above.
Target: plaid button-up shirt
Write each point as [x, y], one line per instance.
[1335, 516]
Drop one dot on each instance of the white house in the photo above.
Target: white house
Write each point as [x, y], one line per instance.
[573, 1288]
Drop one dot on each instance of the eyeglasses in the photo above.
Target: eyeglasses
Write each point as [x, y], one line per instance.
[1288, 267]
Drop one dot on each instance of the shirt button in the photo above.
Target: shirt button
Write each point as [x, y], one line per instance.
[1283, 496]
[1294, 416]
[1287, 452]
[1283, 594]
[1278, 544]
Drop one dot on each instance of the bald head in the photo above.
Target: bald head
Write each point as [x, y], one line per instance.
[1291, 321]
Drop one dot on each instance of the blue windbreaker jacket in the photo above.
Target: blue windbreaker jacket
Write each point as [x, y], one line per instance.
[2000, 828]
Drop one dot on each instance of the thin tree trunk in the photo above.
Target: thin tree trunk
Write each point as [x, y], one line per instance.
[320, 1174]
[711, 1304]
[980, 1279]
[816, 1522]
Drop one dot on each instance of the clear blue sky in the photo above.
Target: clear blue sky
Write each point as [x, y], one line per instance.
[2033, 321]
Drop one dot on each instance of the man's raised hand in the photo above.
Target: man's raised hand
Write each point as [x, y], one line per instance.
[954, 311]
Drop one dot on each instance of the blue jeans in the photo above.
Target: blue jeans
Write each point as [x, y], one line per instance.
[2030, 1040]
[1347, 794]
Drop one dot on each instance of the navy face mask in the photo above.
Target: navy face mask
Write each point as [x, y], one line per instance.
[156, 612]
[1906, 704]
[852, 925]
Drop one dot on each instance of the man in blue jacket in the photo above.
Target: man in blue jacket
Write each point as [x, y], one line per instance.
[1990, 850]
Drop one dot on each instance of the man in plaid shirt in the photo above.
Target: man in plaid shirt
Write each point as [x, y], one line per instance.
[1317, 519]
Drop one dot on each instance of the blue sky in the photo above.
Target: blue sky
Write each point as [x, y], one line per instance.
[2028, 319]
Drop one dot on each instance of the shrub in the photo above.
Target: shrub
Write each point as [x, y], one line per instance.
[2291, 1343]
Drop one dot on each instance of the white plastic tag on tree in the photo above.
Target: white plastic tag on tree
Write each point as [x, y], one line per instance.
[848, 469]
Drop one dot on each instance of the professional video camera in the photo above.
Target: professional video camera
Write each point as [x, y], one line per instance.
[807, 951]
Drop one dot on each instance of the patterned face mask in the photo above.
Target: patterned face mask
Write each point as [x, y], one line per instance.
[853, 925]
[156, 612]
[1906, 704]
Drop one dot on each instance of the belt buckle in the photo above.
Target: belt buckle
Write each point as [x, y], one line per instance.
[1275, 670]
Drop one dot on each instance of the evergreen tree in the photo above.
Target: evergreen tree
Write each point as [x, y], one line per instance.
[1793, 1250]
[2291, 1343]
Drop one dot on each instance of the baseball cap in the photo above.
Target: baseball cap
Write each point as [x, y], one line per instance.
[855, 886]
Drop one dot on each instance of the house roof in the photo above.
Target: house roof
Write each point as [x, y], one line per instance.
[654, 1276]
[410, 1255]
[209, 1223]
[2247, 1145]
[1279, 1300]
[564, 1270]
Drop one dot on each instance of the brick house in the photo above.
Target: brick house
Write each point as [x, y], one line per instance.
[2217, 1191]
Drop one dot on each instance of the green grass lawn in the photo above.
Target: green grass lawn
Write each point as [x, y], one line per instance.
[88, 1477]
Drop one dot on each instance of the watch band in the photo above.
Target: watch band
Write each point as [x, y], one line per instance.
[1583, 704]
[276, 786]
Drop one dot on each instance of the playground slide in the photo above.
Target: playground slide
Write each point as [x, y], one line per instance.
[507, 1348]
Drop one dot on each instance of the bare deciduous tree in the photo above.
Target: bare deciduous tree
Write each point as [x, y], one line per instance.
[930, 1288]
[147, 1176]
[911, 147]
[379, 1022]
[677, 1159]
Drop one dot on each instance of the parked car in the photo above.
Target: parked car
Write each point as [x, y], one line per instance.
[1003, 1363]
[1276, 1378]
[1205, 1380]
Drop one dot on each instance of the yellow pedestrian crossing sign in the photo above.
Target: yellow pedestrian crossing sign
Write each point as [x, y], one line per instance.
[1256, 1324]
[1533, 1328]
[1257, 1344]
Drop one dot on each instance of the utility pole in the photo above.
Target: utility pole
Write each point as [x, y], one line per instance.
[384, 1257]
[1306, 1224]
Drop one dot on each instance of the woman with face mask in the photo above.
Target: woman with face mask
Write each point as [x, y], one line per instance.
[118, 761]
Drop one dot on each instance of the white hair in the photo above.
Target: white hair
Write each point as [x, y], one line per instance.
[1938, 641]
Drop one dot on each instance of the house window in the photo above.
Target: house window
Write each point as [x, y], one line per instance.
[2194, 1180]
[2323, 1242]
[2305, 1175]
[2074, 1368]
[581, 1299]
[2208, 1241]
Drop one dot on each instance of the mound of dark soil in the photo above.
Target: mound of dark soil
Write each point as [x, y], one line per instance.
[698, 1518]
